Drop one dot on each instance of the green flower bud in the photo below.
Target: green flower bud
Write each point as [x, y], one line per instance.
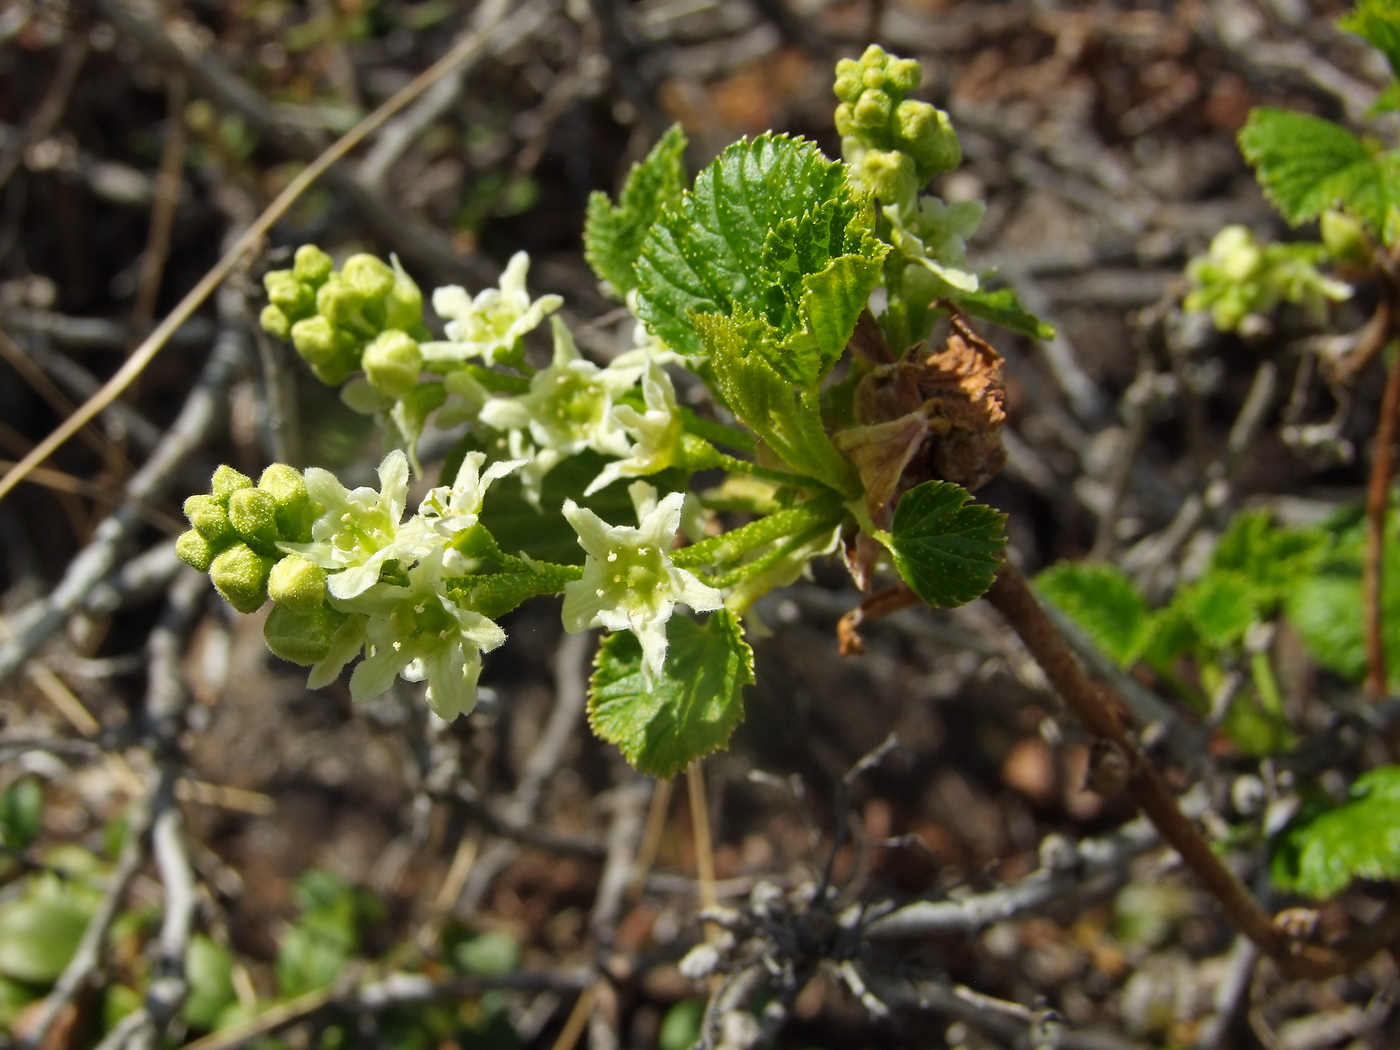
[312, 265]
[292, 297]
[890, 176]
[240, 575]
[274, 322]
[403, 309]
[227, 481]
[846, 120]
[297, 584]
[254, 514]
[341, 303]
[194, 549]
[872, 112]
[392, 363]
[903, 74]
[927, 135]
[848, 84]
[302, 639]
[370, 277]
[295, 509]
[332, 352]
[1346, 238]
[209, 518]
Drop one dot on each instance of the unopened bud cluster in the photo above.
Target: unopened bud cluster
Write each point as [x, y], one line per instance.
[236, 531]
[894, 144]
[1241, 278]
[368, 315]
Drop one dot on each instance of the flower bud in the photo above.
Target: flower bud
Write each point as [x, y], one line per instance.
[903, 75]
[370, 277]
[848, 84]
[289, 295]
[254, 514]
[302, 638]
[846, 120]
[295, 510]
[392, 363]
[274, 322]
[403, 309]
[890, 176]
[340, 302]
[240, 575]
[872, 112]
[209, 518]
[297, 584]
[312, 265]
[194, 549]
[926, 134]
[332, 352]
[227, 481]
[1346, 238]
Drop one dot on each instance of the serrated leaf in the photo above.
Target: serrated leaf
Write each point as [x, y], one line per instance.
[1320, 852]
[613, 236]
[689, 711]
[945, 546]
[1221, 606]
[741, 351]
[1378, 23]
[1104, 603]
[1003, 307]
[1270, 558]
[762, 216]
[1306, 164]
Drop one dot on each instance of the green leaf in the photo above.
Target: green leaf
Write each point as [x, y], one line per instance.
[1306, 164]
[1325, 847]
[39, 932]
[21, 813]
[1104, 603]
[1221, 606]
[1003, 307]
[613, 236]
[945, 546]
[494, 953]
[763, 216]
[1270, 559]
[742, 349]
[209, 969]
[689, 711]
[1378, 23]
[680, 1028]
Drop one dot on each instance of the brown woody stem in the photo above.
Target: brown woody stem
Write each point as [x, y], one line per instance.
[1377, 503]
[1012, 596]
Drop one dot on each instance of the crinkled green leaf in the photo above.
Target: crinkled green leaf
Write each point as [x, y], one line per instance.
[209, 970]
[946, 547]
[1221, 606]
[1003, 307]
[1306, 164]
[742, 349]
[689, 711]
[764, 215]
[1378, 23]
[613, 236]
[1324, 848]
[1104, 603]
[1270, 558]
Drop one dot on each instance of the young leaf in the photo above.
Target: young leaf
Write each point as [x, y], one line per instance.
[1004, 308]
[1105, 603]
[689, 711]
[613, 236]
[1306, 164]
[1378, 23]
[946, 547]
[1319, 853]
[763, 216]
[1220, 606]
[1270, 558]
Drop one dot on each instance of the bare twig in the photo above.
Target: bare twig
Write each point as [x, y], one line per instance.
[46, 116]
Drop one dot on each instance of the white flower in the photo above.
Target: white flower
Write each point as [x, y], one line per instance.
[491, 323]
[629, 581]
[657, 431]
[357, 532]
[417, 632]
[934, 236]
[449, 509]
[568, 408]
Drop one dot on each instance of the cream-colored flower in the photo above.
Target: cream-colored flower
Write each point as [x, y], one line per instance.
[490, 324]
[657, 431]
[629, 581]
